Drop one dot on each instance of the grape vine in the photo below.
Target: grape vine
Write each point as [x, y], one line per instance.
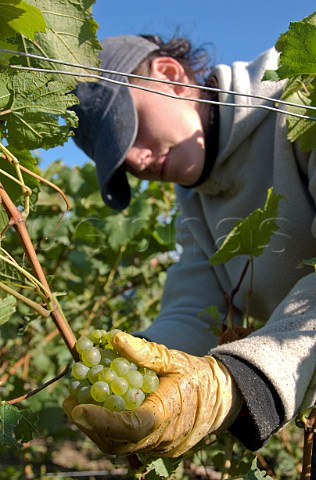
[34, 113]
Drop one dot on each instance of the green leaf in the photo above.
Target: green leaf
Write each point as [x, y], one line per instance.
[3, 219]
[160, 468]
[16, 426]
[251, 235]
[216, 326]
[297, 63]
[5, 93]
[310, 261]
[256, 474]
[302, 129]
[7, 308]
[17, 16]
[70, 36]
[119, 230]
[32, 120]
[164, 234]
[298, 49]
[214, 312]
[271, 75]
[5, 58]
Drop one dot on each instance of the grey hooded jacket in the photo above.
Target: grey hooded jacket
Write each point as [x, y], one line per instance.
[274, 365]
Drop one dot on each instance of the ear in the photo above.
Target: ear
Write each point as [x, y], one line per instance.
[169, 69]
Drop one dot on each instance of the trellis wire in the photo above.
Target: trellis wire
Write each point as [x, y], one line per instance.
[141, 77]
[78, 474]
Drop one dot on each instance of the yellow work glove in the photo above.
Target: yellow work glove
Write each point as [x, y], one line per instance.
[196, 396]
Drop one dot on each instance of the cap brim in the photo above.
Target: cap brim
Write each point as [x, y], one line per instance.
[116, 135]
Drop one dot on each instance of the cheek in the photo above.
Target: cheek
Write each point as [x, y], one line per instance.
[161, 119]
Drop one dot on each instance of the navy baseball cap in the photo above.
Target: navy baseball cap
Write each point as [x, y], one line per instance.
[107, 117]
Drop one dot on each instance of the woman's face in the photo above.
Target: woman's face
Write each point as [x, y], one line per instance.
[170, 143]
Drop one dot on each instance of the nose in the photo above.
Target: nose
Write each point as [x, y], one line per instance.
[138, 158]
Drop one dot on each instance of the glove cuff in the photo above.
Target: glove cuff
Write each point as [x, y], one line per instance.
[229, 399]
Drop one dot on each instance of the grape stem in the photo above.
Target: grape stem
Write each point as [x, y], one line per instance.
[26, 191]
[17, 220]
[35, 175]
[38, 308]
[38, 389]
[309, 428]
[229, 316]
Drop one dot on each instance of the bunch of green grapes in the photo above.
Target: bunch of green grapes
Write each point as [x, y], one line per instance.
[104, 378]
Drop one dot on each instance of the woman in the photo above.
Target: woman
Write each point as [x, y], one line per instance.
[222, 159]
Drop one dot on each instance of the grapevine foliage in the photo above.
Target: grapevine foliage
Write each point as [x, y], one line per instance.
[16, 426]
[18, 17]
[108, 268]
[8, 307]
[252, 234]
[34, 113]
[297, 64]
[256, 474]
[34, 106]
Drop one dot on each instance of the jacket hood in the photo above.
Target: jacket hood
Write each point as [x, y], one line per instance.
[243, 112]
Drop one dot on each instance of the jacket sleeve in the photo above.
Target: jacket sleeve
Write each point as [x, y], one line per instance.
[284, 350]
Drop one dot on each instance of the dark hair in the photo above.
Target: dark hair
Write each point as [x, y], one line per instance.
[194, 61]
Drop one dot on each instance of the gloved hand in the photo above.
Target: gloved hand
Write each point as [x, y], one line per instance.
[196, 396]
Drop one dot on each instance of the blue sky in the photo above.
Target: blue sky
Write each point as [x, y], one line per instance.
[233, 30]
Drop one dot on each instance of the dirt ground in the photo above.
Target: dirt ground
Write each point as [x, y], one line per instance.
[48, 460]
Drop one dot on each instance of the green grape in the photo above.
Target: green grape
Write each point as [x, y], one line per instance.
[111, 334]
[133, 398]
[74, 386]
[107, 375]
[80, 371]
[115, 403]
[93, 375]
[119, 386]
[91, 356]
[105, 378]
[134, 379]
[120, 365]
[107, 356]
[100, 391]
[96, 335]
[84, 394]
[147, 371]
[82, 343]
[133, 366]
[150, 383]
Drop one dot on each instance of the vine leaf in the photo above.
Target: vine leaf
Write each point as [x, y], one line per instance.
[3, 219]
[256, 474]
[251, 235]
[297, 63]
[160, 468]
[16, 426]
[17, 16]
[298, 49]
[70, 36]
[310, 261]
[4, 91]
[35, 106]
[32, 120]
[302, 129]
[8, 304]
